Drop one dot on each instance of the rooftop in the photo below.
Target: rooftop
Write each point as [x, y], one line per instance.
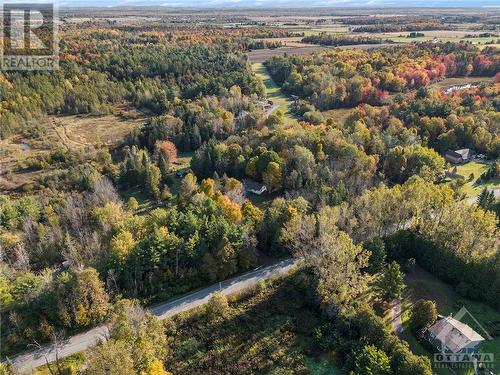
[454, 334]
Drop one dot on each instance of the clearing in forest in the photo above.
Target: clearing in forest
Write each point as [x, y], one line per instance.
[274, 92]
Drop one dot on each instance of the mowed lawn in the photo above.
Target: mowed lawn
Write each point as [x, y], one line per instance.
[475, 186]
[274, 92]
[422, 285]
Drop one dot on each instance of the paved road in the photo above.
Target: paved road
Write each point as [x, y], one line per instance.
[30, 360]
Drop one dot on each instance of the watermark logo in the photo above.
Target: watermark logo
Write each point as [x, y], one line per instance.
[29, 36]
[457, 343]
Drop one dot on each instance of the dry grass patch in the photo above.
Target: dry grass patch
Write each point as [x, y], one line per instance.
[80, 131]
[339, 114]
[75, 133]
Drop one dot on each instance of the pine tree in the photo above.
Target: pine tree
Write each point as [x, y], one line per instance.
[152, 181]
[486, 199]
[163, 165]
[392, 284]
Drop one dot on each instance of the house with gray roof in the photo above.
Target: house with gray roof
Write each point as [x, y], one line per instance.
[460, 156]
[449, 335]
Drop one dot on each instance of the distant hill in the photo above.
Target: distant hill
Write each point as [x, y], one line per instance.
[283, 3]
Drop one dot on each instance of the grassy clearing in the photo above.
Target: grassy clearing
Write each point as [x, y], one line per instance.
[274, 92]
[474, 187]
[183, 160]
[456, 81]
[54, 132]
[326, 30]
[267, 332]
[294, 41]
[83, 130]
[339, 114]
[422, 285]
[69, 365]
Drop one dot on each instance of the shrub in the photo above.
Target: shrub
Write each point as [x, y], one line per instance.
[423, 314]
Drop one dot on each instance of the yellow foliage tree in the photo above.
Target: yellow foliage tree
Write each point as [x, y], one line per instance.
[272, 176]
[122, 244]
[156, 368]
[208, 187]
[231, 209]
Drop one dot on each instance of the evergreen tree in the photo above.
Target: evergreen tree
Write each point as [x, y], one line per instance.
[486, 199]
[391, 283]
[378, 254]
[163, 165]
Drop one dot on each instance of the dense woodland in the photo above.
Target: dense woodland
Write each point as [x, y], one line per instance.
[351, 198]
[336, 40]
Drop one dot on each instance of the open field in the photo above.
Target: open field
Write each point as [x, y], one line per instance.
[404, 39]
[55, 132]
[423, 285]
[473, 188]
[340, 29]
[80, 131]
[339, 114]
[294, 41]
[273, 91]
[450, 82]
[261, 55]
[439, 34]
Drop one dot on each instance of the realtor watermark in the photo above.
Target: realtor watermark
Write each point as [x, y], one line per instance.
[459, 344]
[29, 37]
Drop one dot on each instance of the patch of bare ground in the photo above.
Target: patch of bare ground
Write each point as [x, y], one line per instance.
[339, 114]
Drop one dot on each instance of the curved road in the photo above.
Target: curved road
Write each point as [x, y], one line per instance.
[30, 360]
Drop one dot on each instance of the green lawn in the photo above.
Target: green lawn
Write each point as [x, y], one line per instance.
[183, 160]
[422, 285]
[274, 92]
[474, 187]
[338, 114]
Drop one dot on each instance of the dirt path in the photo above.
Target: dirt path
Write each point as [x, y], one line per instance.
[62, 134]
[396, 321]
